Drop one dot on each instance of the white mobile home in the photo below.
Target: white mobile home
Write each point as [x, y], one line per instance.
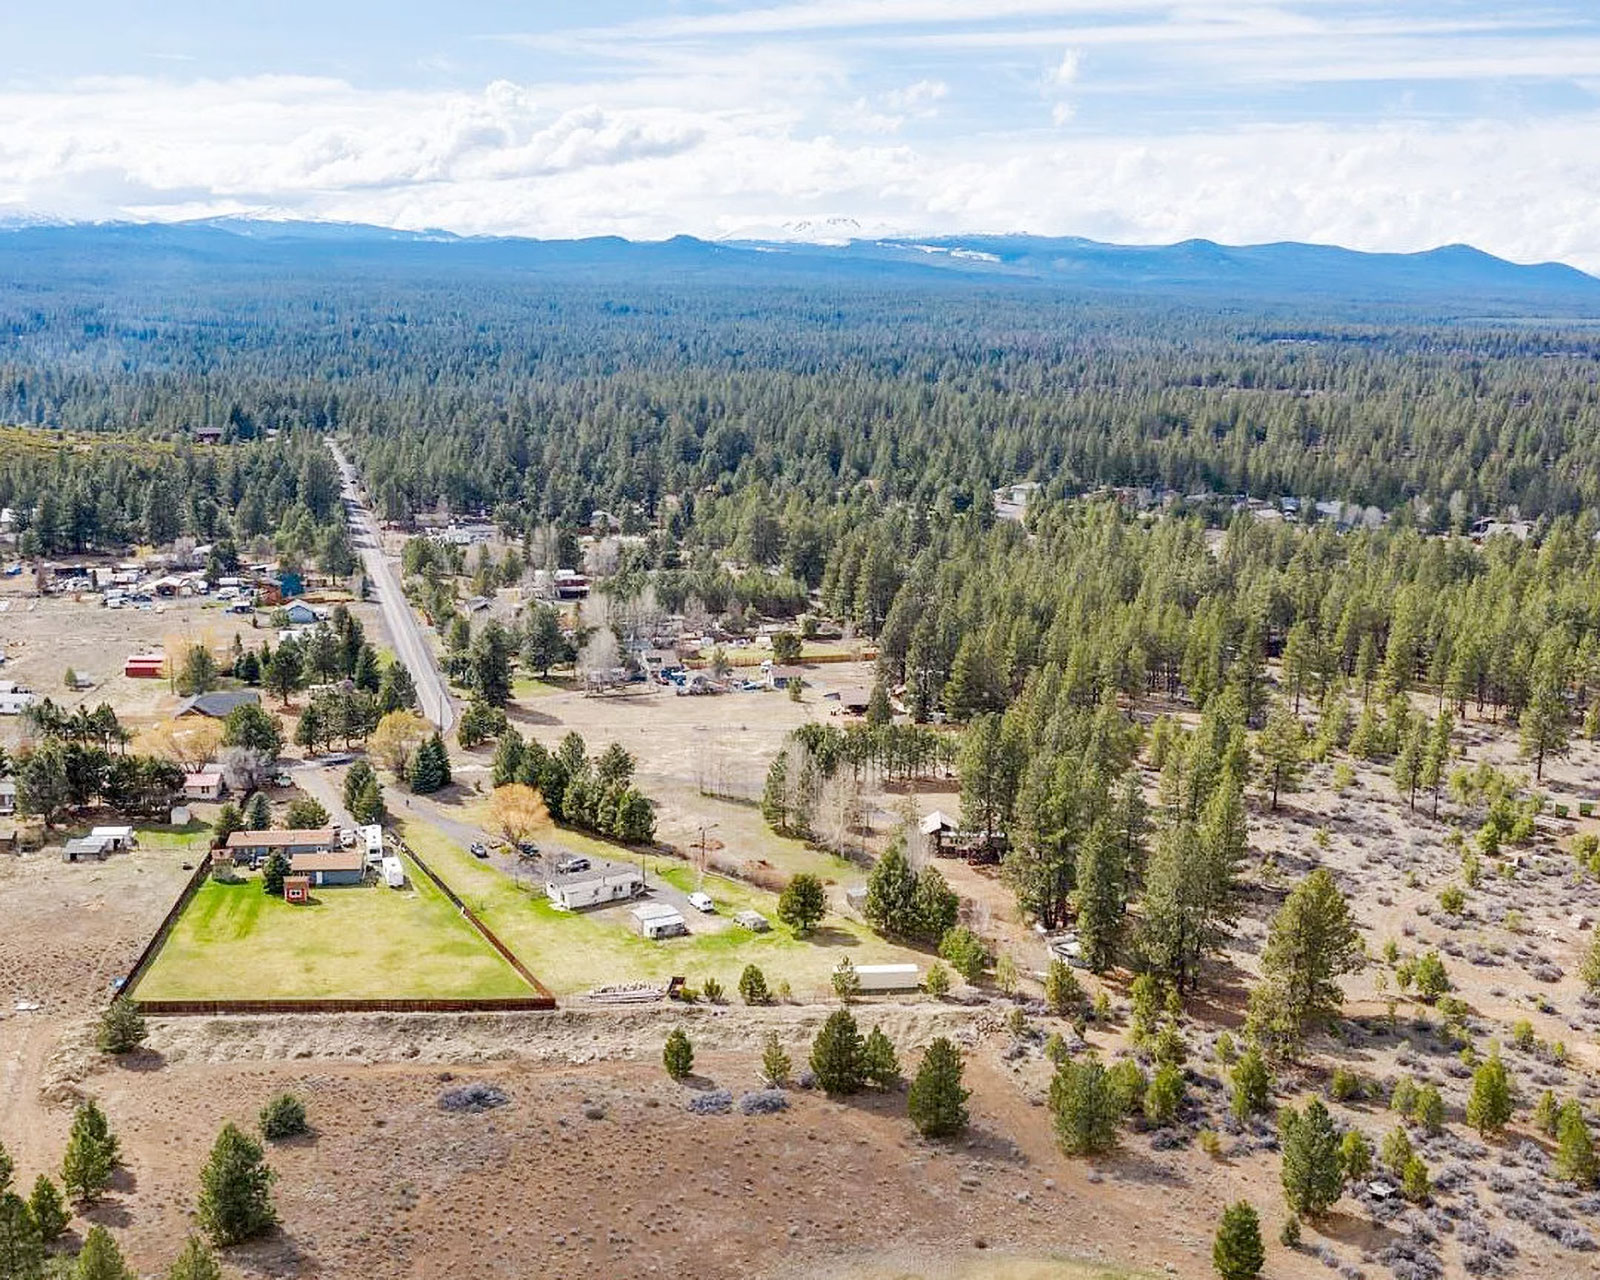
[657, 920]
[394, 873]
[888, 977]
[594, 886]
[14, 701]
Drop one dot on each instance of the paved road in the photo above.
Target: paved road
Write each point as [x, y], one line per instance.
[410, 644]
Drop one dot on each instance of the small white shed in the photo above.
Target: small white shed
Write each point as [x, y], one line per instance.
[657, 920]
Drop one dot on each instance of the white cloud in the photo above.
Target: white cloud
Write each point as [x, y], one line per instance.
[912, 116]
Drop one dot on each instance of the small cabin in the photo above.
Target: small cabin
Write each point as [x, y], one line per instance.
[297, 890]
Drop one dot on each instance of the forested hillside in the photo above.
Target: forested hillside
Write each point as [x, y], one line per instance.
[548, 383]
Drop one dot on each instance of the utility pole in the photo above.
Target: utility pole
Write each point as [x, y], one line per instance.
[704, 827]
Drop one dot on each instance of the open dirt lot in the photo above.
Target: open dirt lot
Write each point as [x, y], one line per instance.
[704, 759]
[42, 637]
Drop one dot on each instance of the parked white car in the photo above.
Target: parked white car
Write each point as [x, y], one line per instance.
[701, 901]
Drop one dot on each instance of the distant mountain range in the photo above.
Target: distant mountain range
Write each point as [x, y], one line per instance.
[1454, 277]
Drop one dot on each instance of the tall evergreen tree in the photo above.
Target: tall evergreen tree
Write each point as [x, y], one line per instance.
[1312, 1175]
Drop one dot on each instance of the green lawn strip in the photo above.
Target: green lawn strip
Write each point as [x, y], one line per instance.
[533, 687]
[235, 942]
[573, 951]
[194, 835]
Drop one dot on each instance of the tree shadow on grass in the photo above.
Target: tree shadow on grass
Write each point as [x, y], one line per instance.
[276, 1253]
[828, 936]
[521, 713]
[1221, 999]
[1348, 1229]
[107, 1213]
[1143, 1167]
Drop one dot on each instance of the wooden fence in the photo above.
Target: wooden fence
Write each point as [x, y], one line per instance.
[202, 869]
[489, 934]
[505, 1004]
[544, 999]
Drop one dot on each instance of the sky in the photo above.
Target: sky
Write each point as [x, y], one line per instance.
[1386, 126]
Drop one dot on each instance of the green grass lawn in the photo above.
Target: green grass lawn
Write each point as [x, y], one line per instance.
[235, 942]
[195, 835]
[534, 687]
[573, 951]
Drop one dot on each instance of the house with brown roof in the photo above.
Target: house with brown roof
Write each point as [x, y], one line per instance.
[250, 846]
[332, 866]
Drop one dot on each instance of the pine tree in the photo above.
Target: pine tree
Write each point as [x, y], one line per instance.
[838, 1055]
[753, 986]
[430, 767]
[880, 1064]
[122, 1028]
[1355, 1156]
[1545, 727]
[1575, 1158]
[775, 794]
[8, 1169]
[1436, 758]
[1063, 993]
[283, 1117]
[677, 1055]
[228, 820]
[1238, 1253]
[1408, 765]
[1102, 898]
[802, 903]
[196, 1262]
[274, 873]
[1396, 1151]
[1282, 746]
[1311, 1173]
[1180, 922]
[1546, 1116]
[937, 1102]
[235, 1189]
[891, 904]
[1311, 941]
[1252, 1085]
[49, 1210]
[367, 806]
[508, 752]
[92, 1153]
[258, 812]
[1084, 1108]
[100, 1259]
[21, 1248]
[1492, 1101]
[1414, 1182]
[775, 1063]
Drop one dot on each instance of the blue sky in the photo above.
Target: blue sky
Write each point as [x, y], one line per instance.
[1382, 126]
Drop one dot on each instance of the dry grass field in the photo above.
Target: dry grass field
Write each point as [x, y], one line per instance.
[571, 952]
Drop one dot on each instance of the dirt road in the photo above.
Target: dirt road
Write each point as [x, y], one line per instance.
[409, 642]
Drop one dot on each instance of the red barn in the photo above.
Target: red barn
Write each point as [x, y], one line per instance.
[145, 666]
